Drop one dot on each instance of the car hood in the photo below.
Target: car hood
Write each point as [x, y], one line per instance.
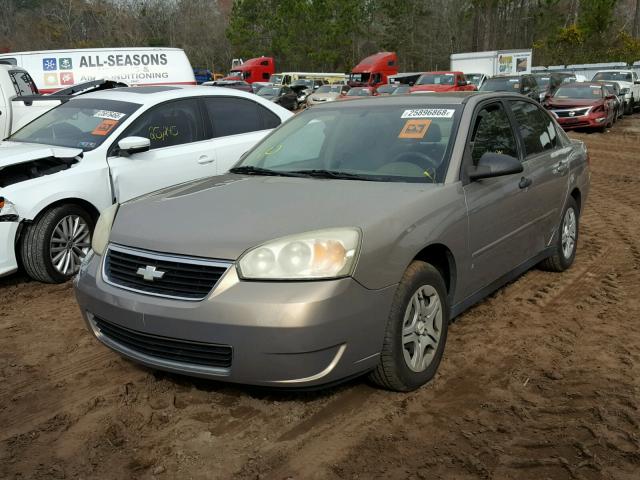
[221, 217]
[13, 153]
[571, 102]
[324, 96]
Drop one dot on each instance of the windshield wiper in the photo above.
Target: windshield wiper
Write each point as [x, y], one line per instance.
[251, 170]
[318, 173]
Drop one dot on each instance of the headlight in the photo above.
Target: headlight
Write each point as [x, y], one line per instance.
[8, 211]
[103, 229]
[321, 254]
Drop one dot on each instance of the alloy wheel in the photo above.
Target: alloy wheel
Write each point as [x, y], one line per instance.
[569, 229]
[70, 242]
[422, 328]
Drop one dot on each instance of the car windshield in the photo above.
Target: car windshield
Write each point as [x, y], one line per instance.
[359, 77]
[618, 76]
[383, 143]
[359, 92]
[80, 123]
[329, 88]
[543, 81]
[275, 79]
[436, 79]
[473, 78]
[386, 88]
[269, 91]
[305, 83]
[585, 92]
[500, 85]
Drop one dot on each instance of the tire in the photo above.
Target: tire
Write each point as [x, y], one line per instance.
[629, 107]
[37, 241]
[559, 261]
[393, 371]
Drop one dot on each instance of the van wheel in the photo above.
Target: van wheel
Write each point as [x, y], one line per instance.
[416, 331]
[53, 246]
[566, 241]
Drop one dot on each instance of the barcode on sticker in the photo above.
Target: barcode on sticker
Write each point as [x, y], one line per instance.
[109, 114]
[428, 113]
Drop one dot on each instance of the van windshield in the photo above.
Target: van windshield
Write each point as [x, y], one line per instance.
[80, 123]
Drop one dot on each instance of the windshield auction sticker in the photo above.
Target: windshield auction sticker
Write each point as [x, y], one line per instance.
[104, 127]
[428, 113]
[109, 114]
[415, 129]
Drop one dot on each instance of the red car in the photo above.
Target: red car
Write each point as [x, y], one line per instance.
[442, 82]
[583, 105]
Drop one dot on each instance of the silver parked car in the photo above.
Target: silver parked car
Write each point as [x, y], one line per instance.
[344, 243]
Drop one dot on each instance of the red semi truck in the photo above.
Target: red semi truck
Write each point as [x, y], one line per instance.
[253, 70]
[374, 70]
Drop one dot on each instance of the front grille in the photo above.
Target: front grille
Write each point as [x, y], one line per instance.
[166, 348]
[567, 113]
[172, 276]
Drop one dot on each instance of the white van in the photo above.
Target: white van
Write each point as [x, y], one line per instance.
[55, 69]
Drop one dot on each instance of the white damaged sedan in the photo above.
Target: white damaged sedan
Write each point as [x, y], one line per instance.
[61, 170]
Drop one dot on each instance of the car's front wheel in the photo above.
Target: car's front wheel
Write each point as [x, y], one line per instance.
[416, 331]
[53, 246]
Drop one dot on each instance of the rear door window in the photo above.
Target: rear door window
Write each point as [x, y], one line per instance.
[492, 132]
[234, 116]
[170, 124]
[536, 128]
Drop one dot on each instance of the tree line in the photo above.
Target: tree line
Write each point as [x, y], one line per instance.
[331, 35]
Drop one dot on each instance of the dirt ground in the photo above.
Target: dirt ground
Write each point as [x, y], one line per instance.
[542, 380]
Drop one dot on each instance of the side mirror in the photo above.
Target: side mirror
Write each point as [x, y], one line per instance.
[637, 82]
[494, 165]
[130, 145]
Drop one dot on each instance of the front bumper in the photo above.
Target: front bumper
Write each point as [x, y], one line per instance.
[8, 261]
[583, 121]
[287, 334]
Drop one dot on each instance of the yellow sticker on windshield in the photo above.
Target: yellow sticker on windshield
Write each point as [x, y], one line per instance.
[104, 127]
[274, 149]
[415, 128]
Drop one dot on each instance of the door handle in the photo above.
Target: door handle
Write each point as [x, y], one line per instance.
[525, 182]
[561, 167]
[204, 159]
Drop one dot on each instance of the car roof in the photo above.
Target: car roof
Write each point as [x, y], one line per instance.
[156, 94]
[414, 100]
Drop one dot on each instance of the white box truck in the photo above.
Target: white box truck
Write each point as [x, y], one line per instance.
[53, 70]
[495, 62]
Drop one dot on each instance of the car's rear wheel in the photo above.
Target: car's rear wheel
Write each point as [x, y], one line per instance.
[53, 246]
[416, 331]
[566, 241]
